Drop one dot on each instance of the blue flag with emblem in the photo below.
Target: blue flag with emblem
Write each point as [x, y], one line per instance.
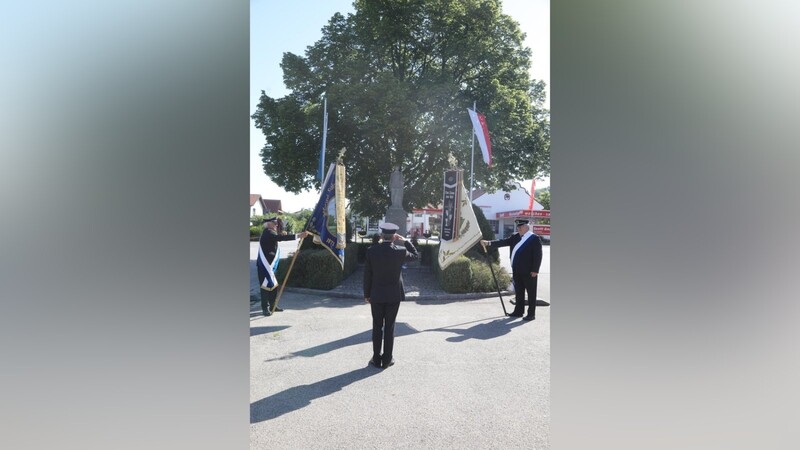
[327, 224]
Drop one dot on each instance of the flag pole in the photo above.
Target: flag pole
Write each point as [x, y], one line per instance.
[496, 284]
[321, 169]
[472, 163]
[288, 272]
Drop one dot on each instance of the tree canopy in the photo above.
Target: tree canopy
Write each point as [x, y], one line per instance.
[399, 76]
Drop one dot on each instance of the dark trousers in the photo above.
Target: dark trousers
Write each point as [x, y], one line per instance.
[383, 317]
[268, 299]
[524, 282]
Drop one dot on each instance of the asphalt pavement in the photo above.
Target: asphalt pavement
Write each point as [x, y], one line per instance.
[465, 376]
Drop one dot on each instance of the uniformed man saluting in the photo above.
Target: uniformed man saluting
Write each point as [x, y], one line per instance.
[526, 257]
[383, 289]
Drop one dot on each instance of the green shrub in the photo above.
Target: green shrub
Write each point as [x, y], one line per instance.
[317, 269]
[482, 280]
[435, 260]
[469, 274]
[350, 259]
[256, 231]
[360, 249]
[457, 277]
[426, 253]
[283, 267]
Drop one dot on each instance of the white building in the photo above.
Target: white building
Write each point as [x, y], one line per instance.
[256, 205]
[500, 209]
[260, 206]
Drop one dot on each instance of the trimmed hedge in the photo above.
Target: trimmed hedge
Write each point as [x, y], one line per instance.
[457, 277]
[469, 275]
[317, 268]
[426, 252]
[482, 280]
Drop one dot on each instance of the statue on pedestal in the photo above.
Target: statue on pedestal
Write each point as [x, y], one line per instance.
[395, 214]
[396, 188]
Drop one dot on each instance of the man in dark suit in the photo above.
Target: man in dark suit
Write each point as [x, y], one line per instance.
[383, 289]
[269, 247]
[526, 257]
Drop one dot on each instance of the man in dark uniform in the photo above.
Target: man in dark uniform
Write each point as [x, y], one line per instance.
[526, 257]
[269, 246]
[383, 289]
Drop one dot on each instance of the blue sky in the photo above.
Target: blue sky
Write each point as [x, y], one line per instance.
[278, 26]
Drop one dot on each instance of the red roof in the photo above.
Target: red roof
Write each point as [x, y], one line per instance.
[254, 198]
[272, 206]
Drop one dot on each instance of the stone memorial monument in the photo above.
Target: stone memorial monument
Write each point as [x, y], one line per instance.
[395, 214]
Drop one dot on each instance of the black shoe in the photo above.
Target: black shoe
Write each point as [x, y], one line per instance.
[515, 315]
[388, 364]
[529, 317]
[278, 310]
[267, 313]
[375, 363]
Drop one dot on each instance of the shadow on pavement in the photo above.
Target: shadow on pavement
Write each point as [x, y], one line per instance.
[400, 329]
[299, 301]
[255, 331]
[483, 331]
[298, 397]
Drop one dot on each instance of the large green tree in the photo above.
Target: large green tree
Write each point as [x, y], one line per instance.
[399, 76]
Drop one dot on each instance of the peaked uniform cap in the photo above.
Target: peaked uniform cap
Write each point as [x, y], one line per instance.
[389, 228]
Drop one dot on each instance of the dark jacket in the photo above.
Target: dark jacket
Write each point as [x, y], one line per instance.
[528, 258]
[269, 245]
[383, 280]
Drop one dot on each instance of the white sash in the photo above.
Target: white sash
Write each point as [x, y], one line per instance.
[270, 281]
[519, 245]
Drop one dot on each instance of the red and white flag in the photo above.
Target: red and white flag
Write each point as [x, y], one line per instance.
[482, 133]
[533, 192]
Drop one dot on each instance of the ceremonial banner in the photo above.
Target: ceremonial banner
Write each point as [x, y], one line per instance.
[466, 232]
[327, 224]
[450, 206]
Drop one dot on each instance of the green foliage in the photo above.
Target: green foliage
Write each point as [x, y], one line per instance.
[350, 260]
[283, 267]
[361, 250]
[256, 231]
[317, 269]
[482, 280]
[426, 255]
[257, 220]
[476, 252]
[543, 197]
[398, 77]
[435, 261]
[470, 275]
[457, 277]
